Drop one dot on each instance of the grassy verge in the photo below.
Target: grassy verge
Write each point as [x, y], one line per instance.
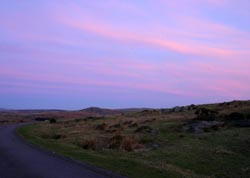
[115, 161]
[222, 153]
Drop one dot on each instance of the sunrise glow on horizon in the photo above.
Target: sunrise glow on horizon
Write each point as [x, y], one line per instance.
[122, 54]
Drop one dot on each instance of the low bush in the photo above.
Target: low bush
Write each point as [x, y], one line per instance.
[133, 125]
[115, 141]
[235, 116]
[128, 143]
[206, 114]
[89, 144]
[101, 126]
[146, 139]
[52, 121]
[118, 125]
[77, 120]
[129, 122]
[53, 136]
[144, 129]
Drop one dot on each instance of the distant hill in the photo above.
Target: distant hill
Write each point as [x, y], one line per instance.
[132, 110]
[104, 111]
[30, 111]
[101, 111]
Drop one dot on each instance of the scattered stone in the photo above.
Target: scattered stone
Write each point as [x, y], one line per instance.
[223, 151]
[155, 145]
[75, 132]
[155, 133]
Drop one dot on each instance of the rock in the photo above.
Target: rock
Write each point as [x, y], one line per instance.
[200, 127]
[223, 151]
[154, 132]
[177, 109]
[155, 146]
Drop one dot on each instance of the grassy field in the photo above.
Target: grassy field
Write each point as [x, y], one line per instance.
[155, 143]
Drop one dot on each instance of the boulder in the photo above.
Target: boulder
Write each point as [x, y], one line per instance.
[200, 127]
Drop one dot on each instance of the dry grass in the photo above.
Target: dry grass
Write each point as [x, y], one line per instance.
[153, 144]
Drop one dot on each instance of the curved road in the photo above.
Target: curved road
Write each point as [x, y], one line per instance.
[20, 160]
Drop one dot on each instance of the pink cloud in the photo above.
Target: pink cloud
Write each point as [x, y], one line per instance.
[199, 78]
[190, 47]
[173, 39]
[143, 85]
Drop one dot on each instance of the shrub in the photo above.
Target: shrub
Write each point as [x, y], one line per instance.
[238, 119]
[101, 126]
[191, 107]
[53, 136]
[248, 116]
[56, 136]
[115, 141]
[77, 120]
[52, 121]
[138, 146]
[118, 125]
[112, 130]
[235, 116]
[133, 125]
[128, 143]
[146, 139]
[205, 114]
[147, 120]
[87, 144]
[127, 122]
[144, 129]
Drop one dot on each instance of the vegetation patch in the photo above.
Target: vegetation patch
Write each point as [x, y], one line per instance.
[154, 144]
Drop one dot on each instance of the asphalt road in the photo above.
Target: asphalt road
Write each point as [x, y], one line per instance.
[20, 160]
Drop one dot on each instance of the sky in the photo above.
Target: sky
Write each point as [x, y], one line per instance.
[75, 54]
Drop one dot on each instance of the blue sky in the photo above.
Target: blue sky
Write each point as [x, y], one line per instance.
[118, 54]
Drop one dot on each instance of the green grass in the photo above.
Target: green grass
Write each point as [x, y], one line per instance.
[116, 161]
[223, 153]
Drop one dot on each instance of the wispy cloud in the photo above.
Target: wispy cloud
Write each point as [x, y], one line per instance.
[180, 49]
[170, 38]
